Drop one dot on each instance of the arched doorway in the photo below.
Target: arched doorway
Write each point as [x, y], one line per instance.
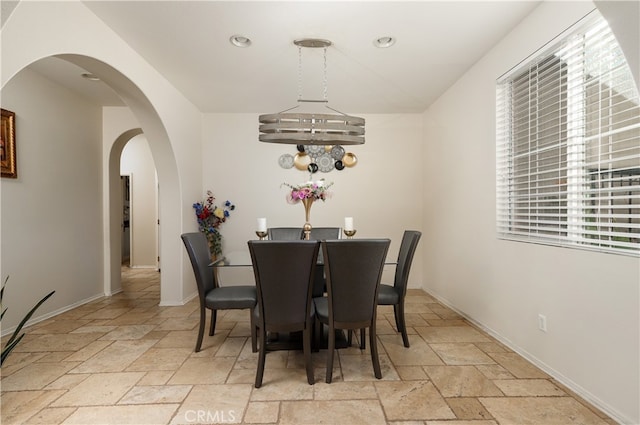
[144, 234]
[172, 292]
[139, 186]
[145, 115]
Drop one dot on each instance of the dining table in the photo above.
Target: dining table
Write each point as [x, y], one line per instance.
[242, 258]
[279, 341]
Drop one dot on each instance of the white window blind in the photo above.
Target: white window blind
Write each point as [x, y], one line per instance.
[568, 145]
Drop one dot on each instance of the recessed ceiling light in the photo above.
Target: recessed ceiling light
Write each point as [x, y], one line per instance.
[384, 42]
[90, 77]
[240, 41]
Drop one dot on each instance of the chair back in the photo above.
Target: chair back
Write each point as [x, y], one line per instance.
[353, 268]
[284, 233]
[408, 246]
[284, 278]
[323, 233]
[198, 250]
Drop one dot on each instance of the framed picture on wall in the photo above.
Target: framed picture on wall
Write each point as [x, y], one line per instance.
[8, 144]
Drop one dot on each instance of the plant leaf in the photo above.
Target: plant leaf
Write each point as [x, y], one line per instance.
[28, 316]
[8, 348]
[2, 290]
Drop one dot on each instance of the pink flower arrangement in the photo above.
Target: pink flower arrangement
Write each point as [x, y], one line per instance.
[316, 190]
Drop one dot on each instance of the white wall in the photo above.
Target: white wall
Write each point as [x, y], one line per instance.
[382, 192]
[591, 300]
[137, 162]
[52, 213]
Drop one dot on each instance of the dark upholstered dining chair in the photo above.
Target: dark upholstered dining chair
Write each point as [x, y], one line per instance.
[212, 296]
[353, 268]
[284, 233]
[395, 294]
[321, 234]
[284, 278]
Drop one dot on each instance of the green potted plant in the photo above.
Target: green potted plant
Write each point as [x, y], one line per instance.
[16, 337]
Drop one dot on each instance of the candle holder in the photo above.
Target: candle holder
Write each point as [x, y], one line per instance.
[349, 233]
[262, 234]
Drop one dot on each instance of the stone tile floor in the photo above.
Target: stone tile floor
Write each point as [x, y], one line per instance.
[125, 360]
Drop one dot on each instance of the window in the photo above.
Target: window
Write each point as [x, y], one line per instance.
[568, 145]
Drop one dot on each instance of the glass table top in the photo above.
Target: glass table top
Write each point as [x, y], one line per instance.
[243, 259]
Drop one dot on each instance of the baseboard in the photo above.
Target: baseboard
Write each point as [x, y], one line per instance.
[190, 297]
[184, 301]
[51, 314]
[579, 390]
[114, 292]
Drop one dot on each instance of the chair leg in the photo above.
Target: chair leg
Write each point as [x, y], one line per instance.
[349, 337]
[318, 334]
[398, 310]
[306, 347]
[212, 328]
[330, 351]
[315, 338]
[261, 358]
[254, 332]
[203, 319]
[374, 351]
[396, 317]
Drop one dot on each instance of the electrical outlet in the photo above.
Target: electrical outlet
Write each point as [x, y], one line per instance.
[542, 322]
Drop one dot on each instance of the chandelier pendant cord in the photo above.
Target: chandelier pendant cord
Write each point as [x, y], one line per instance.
[324, 78]
[325, 89]
[299, 73]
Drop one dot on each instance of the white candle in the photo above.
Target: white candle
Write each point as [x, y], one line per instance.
[348, 223]
[262, 225]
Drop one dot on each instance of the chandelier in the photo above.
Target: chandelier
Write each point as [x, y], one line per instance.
[324, 127]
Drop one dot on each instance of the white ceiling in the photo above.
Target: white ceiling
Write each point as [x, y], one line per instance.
[188, 43]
